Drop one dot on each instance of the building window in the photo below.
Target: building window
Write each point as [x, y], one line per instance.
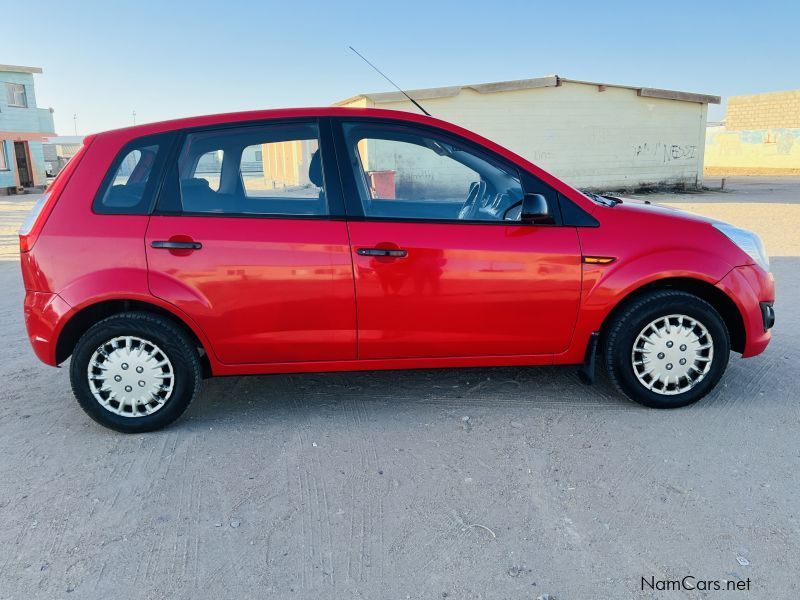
[3, 159]
[16, 95]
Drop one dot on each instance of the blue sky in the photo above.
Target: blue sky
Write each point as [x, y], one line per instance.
[103, 60]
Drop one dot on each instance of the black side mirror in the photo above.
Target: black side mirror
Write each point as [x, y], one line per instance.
[535, 210]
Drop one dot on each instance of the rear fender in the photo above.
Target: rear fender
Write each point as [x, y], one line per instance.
[144, 298]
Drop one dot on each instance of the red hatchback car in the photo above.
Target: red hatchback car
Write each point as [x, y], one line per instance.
[336, 239]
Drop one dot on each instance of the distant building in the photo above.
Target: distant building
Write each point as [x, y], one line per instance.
[58, 150]
[760, 136]
[597, 136]
[22, 128]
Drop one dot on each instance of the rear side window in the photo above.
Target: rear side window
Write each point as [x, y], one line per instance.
[273, 169]
[130, 185]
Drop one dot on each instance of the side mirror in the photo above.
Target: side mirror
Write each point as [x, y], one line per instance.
[534, 209]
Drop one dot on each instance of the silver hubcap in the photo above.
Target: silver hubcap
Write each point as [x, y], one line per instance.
[672, 354]
[130, 376]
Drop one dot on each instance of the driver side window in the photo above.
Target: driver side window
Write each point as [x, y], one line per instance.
[403, 173]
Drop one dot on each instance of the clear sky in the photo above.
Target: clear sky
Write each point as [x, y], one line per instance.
[165, 59]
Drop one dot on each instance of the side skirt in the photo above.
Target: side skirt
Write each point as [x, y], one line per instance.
[383, 364]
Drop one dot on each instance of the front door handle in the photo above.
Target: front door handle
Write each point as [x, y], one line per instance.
[170, 245]
[382, 252]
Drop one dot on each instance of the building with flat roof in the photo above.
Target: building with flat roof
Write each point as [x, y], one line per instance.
[597, 136]
[22, 129]
[58, 150]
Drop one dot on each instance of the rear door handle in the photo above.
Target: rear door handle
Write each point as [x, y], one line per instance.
[169, 245]
[382, 252]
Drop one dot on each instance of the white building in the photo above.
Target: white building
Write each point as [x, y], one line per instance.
[58, 150]
[595, 136]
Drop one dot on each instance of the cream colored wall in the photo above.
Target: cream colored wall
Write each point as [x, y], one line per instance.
[764, 111]
[753, 152]
[606, 140]
[761, 136]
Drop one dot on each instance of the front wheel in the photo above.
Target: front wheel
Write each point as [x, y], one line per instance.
[667, 349]
[135, 372]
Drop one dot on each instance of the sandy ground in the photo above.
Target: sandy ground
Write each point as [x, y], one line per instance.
[478, 483]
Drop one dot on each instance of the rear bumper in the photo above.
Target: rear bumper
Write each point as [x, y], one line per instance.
[43, 313]
[753, 291]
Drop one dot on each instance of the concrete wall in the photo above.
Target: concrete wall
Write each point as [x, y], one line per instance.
[605, 140]
[752, 152]
[20, 123]
[761, 136]
[764, 111]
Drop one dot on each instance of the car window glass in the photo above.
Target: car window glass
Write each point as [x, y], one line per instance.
[266, 169]
[281, 170]
[126, 189]
[404, 173]
[209, 168]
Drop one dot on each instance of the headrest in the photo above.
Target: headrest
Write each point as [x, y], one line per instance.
[315, 169]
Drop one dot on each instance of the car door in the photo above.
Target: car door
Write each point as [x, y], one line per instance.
[443, 265]
[250, 242]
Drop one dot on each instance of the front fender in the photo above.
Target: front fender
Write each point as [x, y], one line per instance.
[605, 286]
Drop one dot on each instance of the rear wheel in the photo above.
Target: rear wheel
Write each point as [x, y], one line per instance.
[135, 372]
[667, 349]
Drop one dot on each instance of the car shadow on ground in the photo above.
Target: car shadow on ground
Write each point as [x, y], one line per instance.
[302, 395]
[239, 401]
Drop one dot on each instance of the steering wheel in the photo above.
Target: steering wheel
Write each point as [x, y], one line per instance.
[472, 204]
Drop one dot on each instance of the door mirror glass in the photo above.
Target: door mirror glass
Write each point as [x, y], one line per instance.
[535, 209]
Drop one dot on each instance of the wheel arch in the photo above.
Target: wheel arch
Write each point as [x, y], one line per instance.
[717, 298]
[86, 316]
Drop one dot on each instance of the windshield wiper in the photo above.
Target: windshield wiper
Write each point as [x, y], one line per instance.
[604, 200]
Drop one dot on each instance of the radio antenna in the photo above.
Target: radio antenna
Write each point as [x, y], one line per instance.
[414, 102]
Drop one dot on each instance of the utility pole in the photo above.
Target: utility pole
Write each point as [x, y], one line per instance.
[134, 117]
[75, 122]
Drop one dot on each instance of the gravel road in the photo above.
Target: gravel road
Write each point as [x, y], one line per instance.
[479, 483]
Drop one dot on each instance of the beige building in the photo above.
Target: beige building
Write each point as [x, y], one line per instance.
[761, 135]
[593, 135]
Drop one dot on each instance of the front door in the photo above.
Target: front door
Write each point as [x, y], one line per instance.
[244, 242]
[23, 164]
[443, 266]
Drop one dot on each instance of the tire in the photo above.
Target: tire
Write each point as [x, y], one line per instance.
[162, 372]
[637, 358]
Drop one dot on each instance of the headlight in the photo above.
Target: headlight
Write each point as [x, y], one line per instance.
[748, 241]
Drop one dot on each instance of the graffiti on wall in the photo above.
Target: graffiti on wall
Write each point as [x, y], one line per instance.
[758, 148]
[664, 153]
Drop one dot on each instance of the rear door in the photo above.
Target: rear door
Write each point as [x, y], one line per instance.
[443, 265]
[249, 240]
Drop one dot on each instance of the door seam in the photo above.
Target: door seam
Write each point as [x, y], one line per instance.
[355, 292]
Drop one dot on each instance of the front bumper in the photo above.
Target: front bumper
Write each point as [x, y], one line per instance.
[753, 291]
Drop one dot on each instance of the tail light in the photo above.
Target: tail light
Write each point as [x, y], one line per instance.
[34, 222]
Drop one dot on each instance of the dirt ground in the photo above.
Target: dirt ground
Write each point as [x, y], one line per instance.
[480, 483]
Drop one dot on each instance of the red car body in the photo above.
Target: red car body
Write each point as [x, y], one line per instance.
[292, 295]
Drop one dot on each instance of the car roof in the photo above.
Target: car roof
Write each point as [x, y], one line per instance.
[272, 114]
